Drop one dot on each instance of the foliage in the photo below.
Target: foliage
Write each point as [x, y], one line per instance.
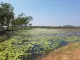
[31, 42]
[21, 20]
[7, 17]
[6, 14]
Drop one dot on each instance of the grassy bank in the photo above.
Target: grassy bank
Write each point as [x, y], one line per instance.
[69, 52]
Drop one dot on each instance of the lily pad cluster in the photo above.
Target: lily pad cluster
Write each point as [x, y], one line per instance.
[28, 42]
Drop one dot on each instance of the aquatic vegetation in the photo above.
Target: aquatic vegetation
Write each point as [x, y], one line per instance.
[70, 52]
[31, 42]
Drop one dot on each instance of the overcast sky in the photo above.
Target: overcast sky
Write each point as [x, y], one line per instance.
[49, 12]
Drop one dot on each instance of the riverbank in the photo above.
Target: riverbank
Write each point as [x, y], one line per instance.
[69, 52]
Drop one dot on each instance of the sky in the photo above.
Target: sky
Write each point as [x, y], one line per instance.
[49, 12]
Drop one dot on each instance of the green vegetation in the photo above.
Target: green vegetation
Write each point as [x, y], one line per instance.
[69, 52]
[21, 20]
[7, 17]
[6, 14]
[35, 41]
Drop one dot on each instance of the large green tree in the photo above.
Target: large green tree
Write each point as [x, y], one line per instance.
[21, 20]
[6, 14]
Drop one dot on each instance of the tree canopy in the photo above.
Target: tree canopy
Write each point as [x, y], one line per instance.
[7, 16]
[21, 20]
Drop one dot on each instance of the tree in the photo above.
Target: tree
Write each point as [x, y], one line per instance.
[6, 14]
[21, 20]
[68, 26]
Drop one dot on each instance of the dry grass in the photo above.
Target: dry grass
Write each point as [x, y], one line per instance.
[69, 52]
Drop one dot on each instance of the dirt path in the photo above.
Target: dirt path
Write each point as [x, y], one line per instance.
[70, 52]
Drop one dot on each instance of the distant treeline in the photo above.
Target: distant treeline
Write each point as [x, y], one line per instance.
[55, 26]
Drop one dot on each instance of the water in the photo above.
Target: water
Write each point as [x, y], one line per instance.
[33, 50]
[63, 34]
[60, 42]
[5, 35]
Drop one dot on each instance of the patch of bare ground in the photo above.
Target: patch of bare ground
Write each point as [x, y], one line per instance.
[69, 52]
